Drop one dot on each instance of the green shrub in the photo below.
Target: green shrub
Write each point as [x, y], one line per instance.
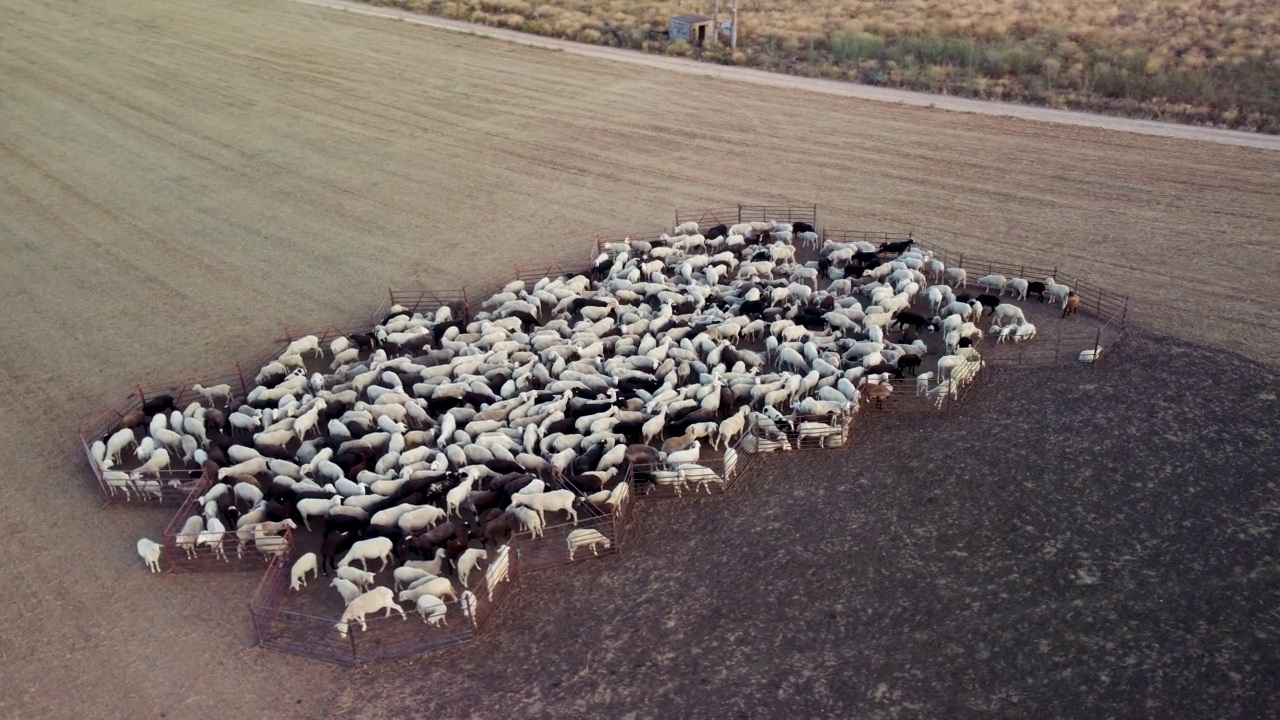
[851, 47]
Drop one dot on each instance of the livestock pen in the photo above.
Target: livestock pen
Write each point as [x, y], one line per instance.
[183, 552]
[172, 485]
[280, 624]
[551, 546]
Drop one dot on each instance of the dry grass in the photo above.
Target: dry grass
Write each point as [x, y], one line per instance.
[1210, 62]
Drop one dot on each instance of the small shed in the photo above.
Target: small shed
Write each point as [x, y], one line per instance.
[691, 28]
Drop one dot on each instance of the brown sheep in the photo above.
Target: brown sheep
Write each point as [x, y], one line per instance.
[1071, 305]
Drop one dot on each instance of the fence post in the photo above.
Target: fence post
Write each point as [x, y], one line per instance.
[739, 212]
[141, 396]
[244, 387]
[1097, 343]
[351, 637]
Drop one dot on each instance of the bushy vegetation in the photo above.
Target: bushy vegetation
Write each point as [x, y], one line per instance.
[1211, 62]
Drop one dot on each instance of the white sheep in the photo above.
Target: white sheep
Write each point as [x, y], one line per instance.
[1005, 311]
[298, 573]
[438, 586]
[407, 575]
[360, 578]
[957, 276]
[1025, 331]
[467, 562]
[379, 598]
[556, 500]
[149, 551]
[378, 548]
[118, 441]
[699, 475]
[586, 537]
[435, 566]
[309, 343]
[346, 588]
[498, 570]
[431, 608]
[469, 604]
[214, 392]
[316, 507]
[1057, 291]
[529, 520]
[212, 536]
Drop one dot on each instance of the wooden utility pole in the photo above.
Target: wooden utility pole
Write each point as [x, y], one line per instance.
[715, 23]
[733, 30]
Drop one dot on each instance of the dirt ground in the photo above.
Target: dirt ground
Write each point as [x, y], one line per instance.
[177, 181]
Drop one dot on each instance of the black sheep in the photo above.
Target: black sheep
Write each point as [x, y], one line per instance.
[896, 248]
[989, 302]
[1036, 288]
[718, 231]
[801, 227]
[905, 318]
[909, 363]
[159, 403]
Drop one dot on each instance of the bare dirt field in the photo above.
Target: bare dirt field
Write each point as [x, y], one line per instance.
[178, 180]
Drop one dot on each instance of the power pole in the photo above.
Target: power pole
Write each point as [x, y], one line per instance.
[715, 23]
[733, 33]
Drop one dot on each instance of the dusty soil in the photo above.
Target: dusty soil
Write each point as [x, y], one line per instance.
[178, 181]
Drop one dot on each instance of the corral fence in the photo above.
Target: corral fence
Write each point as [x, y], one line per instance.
[315, 635]
[724, 473]
[1054, 343]
[184, 552]
[835, 432]
[553, 546]
[173, 485]
[710, 217]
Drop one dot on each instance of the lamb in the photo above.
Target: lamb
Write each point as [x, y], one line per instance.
[468, 560]
[1025, 331]
[431, 608]
[376, 599]
[214, 392]
[585, 537]
[149, 551]
[555, 500]
[298, 573]
[374, 548]
[820, 431]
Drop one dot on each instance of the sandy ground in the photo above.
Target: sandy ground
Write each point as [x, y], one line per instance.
[179, 180]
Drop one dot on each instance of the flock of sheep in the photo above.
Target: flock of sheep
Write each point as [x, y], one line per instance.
[428, 442]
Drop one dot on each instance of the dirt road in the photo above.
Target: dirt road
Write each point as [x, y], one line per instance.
[828, 87]
[177, 181]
